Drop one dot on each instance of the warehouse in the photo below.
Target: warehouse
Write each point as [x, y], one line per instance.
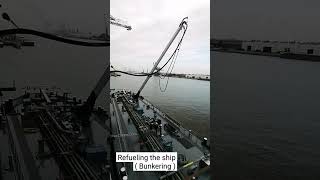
[282, 47]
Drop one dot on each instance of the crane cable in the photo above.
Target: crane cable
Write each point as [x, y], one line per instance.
[170, 66]
[80, 43]
[173, 61]
[167, 73]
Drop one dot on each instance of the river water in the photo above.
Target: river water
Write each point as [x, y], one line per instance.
[267, 118]
[185, 100]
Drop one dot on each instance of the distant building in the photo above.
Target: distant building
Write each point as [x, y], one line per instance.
[226, 43]
[282, 47]
[198, 76]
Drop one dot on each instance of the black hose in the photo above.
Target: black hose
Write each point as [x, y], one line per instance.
[53, 37]
[84, 43]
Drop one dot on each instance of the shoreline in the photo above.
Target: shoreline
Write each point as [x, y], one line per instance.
[191, 78]
[301, 57]
[179, 78]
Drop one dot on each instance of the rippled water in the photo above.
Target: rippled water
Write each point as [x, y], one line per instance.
[267, 118]
[186, 100]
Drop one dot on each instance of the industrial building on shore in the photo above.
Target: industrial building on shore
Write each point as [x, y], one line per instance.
[307, 48]
[294, 47]
[198, 76]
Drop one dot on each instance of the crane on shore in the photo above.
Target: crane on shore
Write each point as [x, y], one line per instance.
[119, 22]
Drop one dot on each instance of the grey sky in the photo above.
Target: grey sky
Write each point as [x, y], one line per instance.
[153, 24]
[47, 15]
[267, 19]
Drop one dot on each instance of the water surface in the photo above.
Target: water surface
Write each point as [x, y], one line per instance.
[186, 100]
[267, 118]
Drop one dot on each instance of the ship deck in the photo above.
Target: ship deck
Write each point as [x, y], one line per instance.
[43, 139]
[137, 135]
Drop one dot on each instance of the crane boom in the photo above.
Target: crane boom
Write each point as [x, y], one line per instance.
[182, 25]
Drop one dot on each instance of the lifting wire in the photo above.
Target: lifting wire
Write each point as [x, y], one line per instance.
[167, 74]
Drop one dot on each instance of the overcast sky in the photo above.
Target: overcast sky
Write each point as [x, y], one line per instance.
[267, 19]
[153, 24]
[47, 15]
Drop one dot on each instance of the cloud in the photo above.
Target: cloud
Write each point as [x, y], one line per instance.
[153, 24]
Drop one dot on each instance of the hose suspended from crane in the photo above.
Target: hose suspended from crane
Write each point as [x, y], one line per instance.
[88, 106]
[158, 69]
[52, 37]
[17, 30]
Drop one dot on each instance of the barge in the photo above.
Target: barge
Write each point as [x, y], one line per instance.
[139, 126]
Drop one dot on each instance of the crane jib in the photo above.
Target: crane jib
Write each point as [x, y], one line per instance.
[182, 25]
